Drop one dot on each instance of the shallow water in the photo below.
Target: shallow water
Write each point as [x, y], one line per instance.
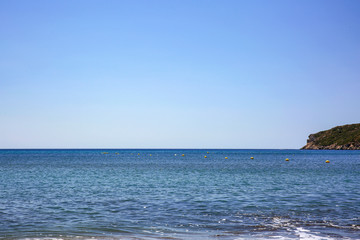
[128, 194]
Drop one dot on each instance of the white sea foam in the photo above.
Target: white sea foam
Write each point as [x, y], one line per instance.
[307, 234]
[293, 232]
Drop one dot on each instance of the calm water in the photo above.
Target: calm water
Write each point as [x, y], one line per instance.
[83, 194]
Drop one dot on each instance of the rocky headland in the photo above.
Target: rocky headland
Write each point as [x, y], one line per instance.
[346, 137]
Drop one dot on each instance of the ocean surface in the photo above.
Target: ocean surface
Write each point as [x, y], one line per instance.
[163, 194]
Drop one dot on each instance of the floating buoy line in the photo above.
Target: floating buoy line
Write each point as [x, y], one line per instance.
[205, 156]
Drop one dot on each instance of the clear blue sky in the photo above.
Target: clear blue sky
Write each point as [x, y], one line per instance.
[176, 74]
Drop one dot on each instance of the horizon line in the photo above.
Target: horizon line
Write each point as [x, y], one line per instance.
[149, 148]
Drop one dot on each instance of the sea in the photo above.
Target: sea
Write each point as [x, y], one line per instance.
[113, 194]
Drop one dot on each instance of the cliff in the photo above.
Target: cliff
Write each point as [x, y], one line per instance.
[345, 137]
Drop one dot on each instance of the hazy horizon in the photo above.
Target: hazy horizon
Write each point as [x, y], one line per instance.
[176, 74]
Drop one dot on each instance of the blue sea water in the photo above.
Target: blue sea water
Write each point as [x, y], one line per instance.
[160, 194]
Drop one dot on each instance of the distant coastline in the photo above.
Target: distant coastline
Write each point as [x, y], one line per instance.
[346, 137]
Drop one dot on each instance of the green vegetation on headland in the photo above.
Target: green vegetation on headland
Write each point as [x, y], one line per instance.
[345, 137]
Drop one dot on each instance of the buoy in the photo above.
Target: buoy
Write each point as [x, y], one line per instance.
[205, 156]
[138, 154]
[287, 159]
[226, 157]
[327, 161]
[252, 158]
[175, 154]
[182, 154]
[207, 152]
[150, 155]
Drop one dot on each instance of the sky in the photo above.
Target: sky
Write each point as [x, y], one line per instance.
[176, 74]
